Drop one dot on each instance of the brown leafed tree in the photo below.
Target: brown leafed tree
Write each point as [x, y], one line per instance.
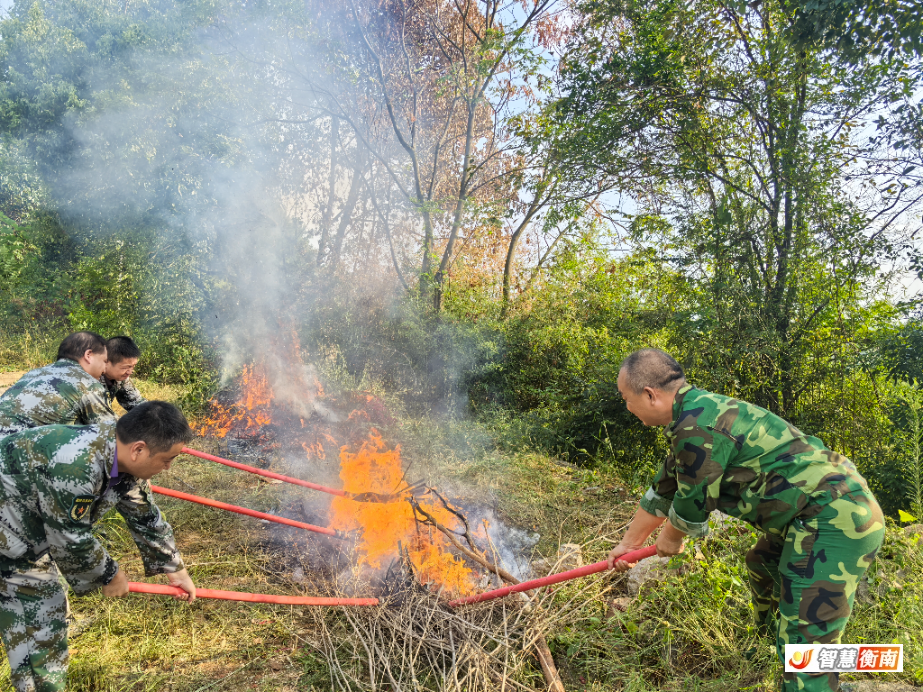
[436, 80]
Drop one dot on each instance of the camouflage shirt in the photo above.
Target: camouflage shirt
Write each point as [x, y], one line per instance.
[60, 393]
[55, 483]
[745, 461]
[123, 391]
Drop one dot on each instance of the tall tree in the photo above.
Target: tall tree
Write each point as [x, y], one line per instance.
[435, 79]
[741, 153]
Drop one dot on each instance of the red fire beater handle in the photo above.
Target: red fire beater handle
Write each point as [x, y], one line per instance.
[267, 474]
[243, 510]
[162, 590]
[633, 556]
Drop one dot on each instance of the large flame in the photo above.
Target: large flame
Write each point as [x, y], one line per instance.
[384, 527]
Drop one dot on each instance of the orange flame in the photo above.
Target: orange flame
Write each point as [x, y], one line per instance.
[251, 410]
[385, 526]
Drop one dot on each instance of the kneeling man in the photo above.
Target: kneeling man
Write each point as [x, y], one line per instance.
[66, 392]
[122, 355]
[56, 482]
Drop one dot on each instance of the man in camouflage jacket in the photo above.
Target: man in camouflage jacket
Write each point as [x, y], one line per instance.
[122, 357]
[821, 525]
[66, 392]
[56, 482]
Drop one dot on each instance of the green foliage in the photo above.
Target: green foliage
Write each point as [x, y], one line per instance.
[395, 343]
[139, 285]
[22, 190]
[16, 253]
[560, 354]
[676, 102]
[135, 284]
[31, 285]
[901, 350]
[122, 109]
[855, 28]
[896, 471]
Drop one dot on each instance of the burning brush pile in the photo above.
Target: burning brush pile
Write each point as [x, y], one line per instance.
[387, 521]
[396, 538]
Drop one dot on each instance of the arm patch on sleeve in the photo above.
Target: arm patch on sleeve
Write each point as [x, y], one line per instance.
[81, 506]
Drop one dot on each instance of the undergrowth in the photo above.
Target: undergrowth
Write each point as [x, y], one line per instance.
[691, 631]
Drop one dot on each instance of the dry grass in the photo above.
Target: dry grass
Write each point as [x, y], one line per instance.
[688, 633]
[151, 390]
[149, 642]
[417, 643]
[27, 350]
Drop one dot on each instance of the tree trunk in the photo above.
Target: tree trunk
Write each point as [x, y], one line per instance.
[542, 195]
[331, 191]
[346, 214]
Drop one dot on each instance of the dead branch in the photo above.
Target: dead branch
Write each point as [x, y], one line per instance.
[541, 645]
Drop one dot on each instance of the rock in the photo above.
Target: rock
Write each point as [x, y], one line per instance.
[298, 575]
[77, 626]
[719, 520]
[618, 605]
[914, 530]
[862, 591]
[649, 569]
[570, 556]
[541, 566]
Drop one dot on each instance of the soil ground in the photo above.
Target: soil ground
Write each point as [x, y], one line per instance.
[7, 379]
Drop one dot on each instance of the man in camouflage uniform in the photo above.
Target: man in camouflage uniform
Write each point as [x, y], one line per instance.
[66, 392]
[122, 357]
[821, 525]
[56, 482]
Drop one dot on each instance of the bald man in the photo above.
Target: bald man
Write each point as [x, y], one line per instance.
[821, 524]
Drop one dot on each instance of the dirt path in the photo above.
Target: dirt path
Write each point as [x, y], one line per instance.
[9, 378]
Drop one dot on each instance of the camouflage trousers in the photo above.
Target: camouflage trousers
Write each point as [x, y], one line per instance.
[804, 583]
[33, 624]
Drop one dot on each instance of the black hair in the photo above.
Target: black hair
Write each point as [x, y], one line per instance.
[651, 367]
[158, 424]
[74, 346]
[119, 348]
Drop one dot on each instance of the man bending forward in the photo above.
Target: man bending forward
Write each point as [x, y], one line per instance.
[56, 482]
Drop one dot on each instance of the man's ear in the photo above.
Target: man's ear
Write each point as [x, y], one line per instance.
[135, 448]
[651, 394]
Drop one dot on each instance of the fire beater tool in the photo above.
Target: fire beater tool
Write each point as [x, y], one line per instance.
[249, 512]
[414, 489]
[633, 556]
[162, 590]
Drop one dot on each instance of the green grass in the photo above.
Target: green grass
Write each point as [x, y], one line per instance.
[689, 632]
[24, 350]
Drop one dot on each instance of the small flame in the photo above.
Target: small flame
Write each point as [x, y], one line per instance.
[250, 411]
[385, 526]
